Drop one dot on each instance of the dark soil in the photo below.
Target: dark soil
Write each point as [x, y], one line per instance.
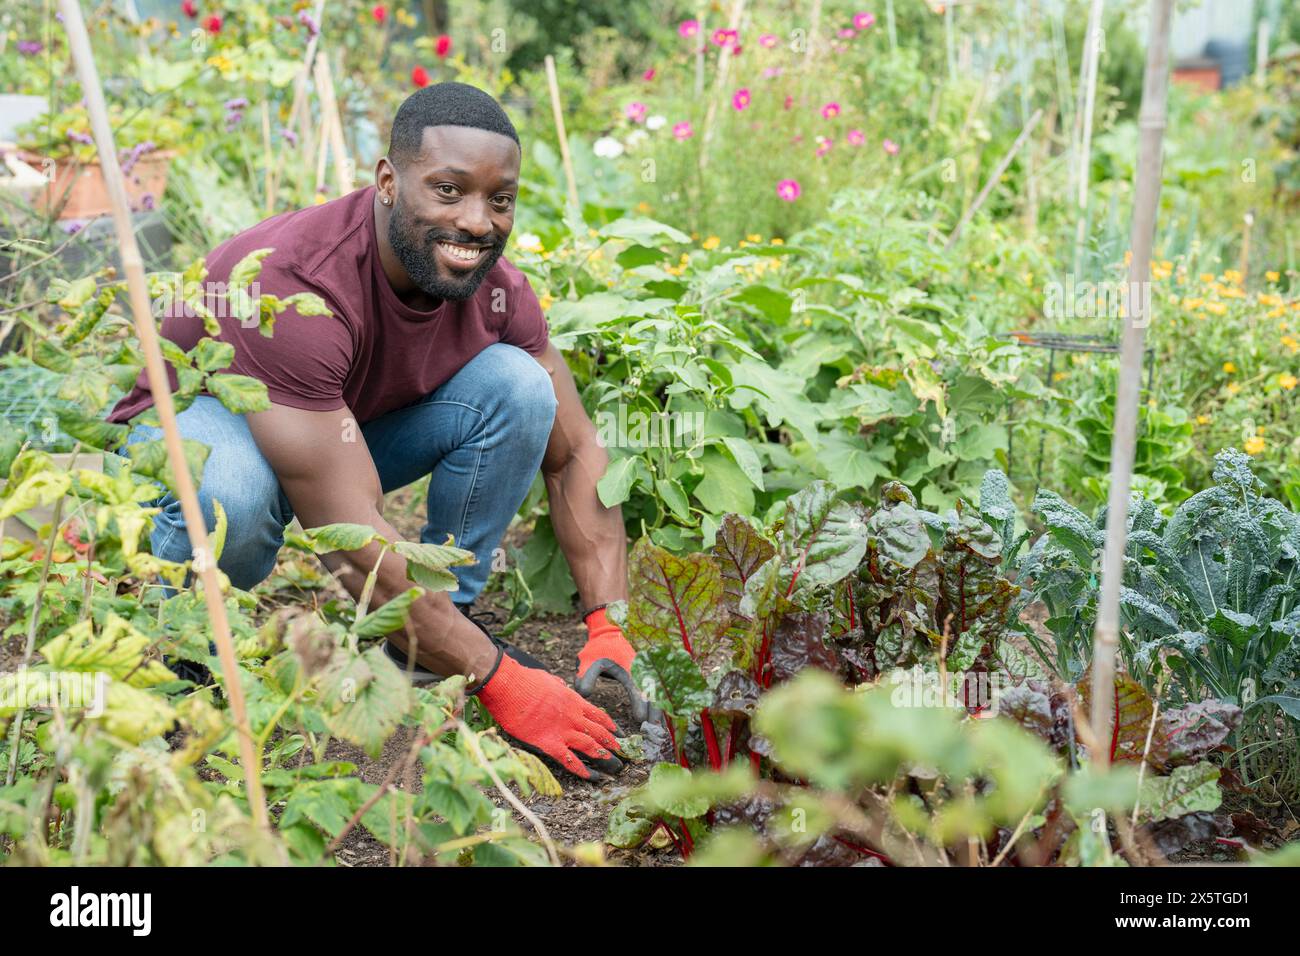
[580, 814]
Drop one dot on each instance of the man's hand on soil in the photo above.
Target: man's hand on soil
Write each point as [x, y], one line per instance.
[608, 654]
[543, 714]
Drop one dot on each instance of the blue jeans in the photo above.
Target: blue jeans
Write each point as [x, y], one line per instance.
[481, 436]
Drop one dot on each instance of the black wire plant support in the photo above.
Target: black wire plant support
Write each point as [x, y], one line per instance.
[1054, 342]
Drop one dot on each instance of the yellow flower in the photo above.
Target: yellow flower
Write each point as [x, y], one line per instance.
[1218, 308]
[1265, 299]
[778, 241]
[643, 207]
[1233, 276]
[1207, 278]
[1255, 445]
[754, 237]
[1233, 388]
[1202, 419]
[1272, 276]
[711, 243]
[1288, 381]
[1276, 313]
[1193, 303]
[1290, 342]
[320, 199]
[546, 300]
[1128, 257]
[1060, 376]
[1229, 367]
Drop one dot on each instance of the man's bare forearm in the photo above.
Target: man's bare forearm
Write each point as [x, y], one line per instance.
[448, 643]
[590, 535]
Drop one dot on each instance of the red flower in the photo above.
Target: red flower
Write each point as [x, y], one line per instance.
[420, 76]
[379, 12]
[213, 24]
[189, 9]
[442, 46]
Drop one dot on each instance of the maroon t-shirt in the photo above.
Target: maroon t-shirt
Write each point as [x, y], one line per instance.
[375, 353]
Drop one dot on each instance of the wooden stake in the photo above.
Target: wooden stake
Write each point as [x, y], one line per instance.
[1146, 200]
[558, 113]
[133, 266]
[1088, 93]
[267, 158]
[996, 175]
[1243, 261]
[333, 130]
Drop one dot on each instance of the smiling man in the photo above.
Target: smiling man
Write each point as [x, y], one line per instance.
[436, 361]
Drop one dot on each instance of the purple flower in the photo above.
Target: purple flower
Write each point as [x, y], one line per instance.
[238, 103]
[72, 226]
[133, 156]
[147, 201]
[290, 136]
[307, 20]
[30, 47]
[80, 137]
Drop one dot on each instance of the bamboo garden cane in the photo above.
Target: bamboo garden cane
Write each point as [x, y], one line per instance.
[1087, 93]
[133, 266]
[557, 111]
[1146, 196]
[334, 132]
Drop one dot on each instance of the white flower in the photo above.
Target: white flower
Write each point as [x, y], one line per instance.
[636, 136]
[607, 147]
[529, 242]
[655, 122]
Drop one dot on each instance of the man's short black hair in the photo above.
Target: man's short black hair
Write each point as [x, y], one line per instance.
[444, 104]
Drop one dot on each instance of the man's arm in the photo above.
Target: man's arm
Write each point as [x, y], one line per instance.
[327, 480]
[590, 535]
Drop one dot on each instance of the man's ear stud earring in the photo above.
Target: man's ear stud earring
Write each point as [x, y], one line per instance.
[385, 200]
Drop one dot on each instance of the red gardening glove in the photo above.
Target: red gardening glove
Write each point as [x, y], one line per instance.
[607, 653]
[539, 711]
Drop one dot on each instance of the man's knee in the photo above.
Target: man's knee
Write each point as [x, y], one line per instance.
[522, 385]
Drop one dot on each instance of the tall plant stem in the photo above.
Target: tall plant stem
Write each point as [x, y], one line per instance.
[195, 525]
[1146, 196]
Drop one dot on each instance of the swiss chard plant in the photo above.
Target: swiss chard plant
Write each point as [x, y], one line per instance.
[831, 585]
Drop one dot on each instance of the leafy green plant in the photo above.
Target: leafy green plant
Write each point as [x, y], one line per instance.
[1209, 609]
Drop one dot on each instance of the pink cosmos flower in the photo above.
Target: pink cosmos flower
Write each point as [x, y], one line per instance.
[688, 28]
[683, 130]
[831, 110]
[788, 189]
[767, 40]
[789, 101]
[855, 137]
[771, 71]
[824, 145]
[740, 99]
[648, 75]
[635, 111]
[722, 38]
[890, 147]
[864, 21]
[847, 33]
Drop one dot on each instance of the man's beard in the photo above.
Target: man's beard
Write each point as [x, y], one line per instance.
[416, 253]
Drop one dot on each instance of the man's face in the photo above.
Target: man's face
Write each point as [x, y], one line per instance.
[455, 209]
